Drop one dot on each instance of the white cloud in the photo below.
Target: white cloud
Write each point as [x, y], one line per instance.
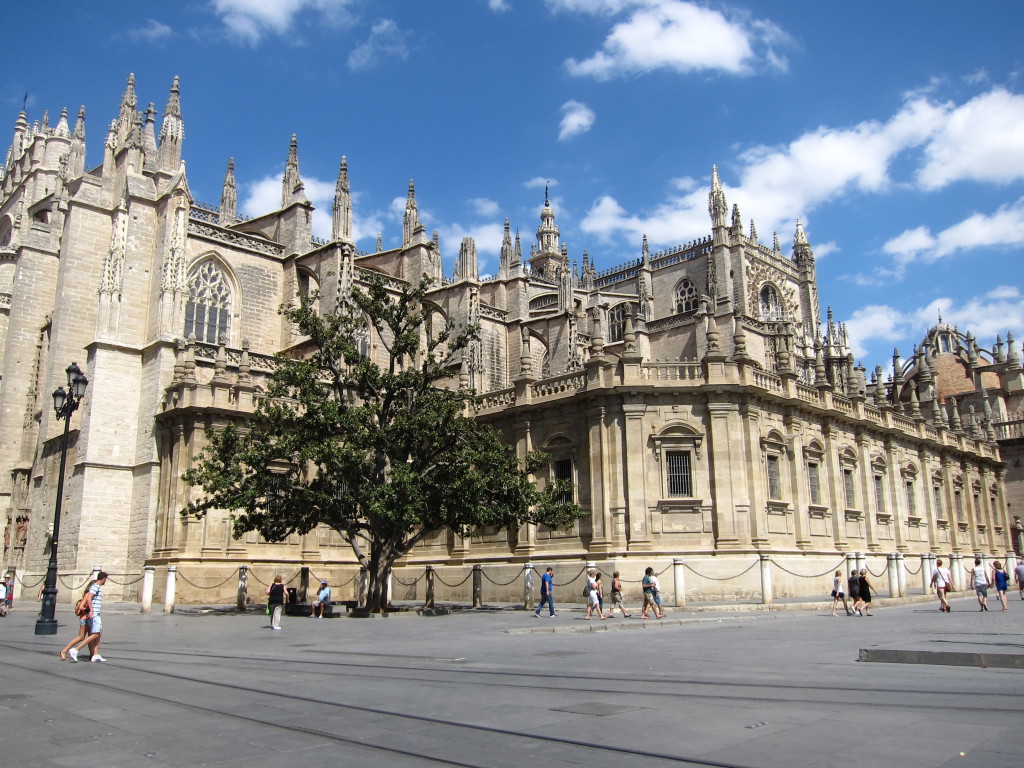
[484, 207]
[676, 35]
[577, 118]
[992, 313]
[153, 32]
[488, 243]
[386, 40]
[498, 6]
[982, 140]
[250, 20]
[1004, 228]
[540, 181]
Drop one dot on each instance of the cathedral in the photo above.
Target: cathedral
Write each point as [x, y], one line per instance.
[702, 408]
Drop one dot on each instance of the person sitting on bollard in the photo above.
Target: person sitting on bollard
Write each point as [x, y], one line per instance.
[323, 599]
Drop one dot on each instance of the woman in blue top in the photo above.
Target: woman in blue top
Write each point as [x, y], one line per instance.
[1001, 581]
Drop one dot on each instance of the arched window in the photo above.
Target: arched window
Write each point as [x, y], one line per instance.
[208, 311]
[686, 296]
[617, 322]
[308, 286]
[771, 306]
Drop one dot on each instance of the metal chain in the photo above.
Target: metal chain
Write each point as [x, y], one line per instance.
[640, 581]
[17, 577]
[200, 586]
[73, 589]
[727, 578]
[412, 583]
[570, 581]
[802, 576]
[438, 577]
[920, 565]
[876, 575]
[500, 583]
[257, 578]
[124, 583]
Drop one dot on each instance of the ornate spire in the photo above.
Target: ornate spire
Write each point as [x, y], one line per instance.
[380, 242]
[645, 253]
[411, 220]
[229, 197]
[753, 232]
[775, 243]
[717, 206]
[62, 125]
[802, 253]
[80, 124]
[292, 190]
[341, 215]
[126, 114]
[737, 220]
[149, 137]
[505, 257]
[172, 131]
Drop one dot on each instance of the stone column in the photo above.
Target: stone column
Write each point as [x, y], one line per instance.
[723, 425]
[956, 569]
[638, 530]
[894, 580]
[865, 483]
[478, 587]
[927, 566]
[766, 580]
[243, 588]
[528, 602]
[362, 586]
[429, 601]
[679, 577]
[901, 573]
[597, 459]
[798, 490]
[172, 574]
[148, 578]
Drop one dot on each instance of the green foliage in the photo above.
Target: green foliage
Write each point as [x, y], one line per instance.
[378, 450]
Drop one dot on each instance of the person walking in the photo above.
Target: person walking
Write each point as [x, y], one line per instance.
[980, 580]
[83, 610]
[838, 593]
[1018, 576]
[323, 599]
[593, 591]
[853, 587]
[277, 597]
[864, 591]
[942, 581]
[547, 593]
[617, 596]
[651, 588]
[94, 596]
[1001, 581]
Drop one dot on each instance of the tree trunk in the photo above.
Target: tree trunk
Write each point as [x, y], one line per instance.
[377, 587]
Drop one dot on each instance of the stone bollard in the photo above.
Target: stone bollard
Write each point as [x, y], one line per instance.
[527, 586]
[861, 562]
[172, 575]
[894, 580]
[429, 601]
[927, 566]
[362, 587]
[478, 585]
[388, 593]
[148, 578]
[766, 580]
[243, 588]
[901, 573]
[679, 577]
[851, 564]
[956, 568]
[303, 592]
[1010, 564]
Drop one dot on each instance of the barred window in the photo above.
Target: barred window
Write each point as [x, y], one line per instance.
[940, 513]
[562, 470]
[771, 305]
[814, 482]
[848, 487]
[911, 509]
[879, 493]
[680, 479]
[208, 310]
[617, 322]
[979, 513]
[774, 489]
[958, 501]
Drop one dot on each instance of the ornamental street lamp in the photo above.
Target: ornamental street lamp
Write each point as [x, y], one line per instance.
[64, 404]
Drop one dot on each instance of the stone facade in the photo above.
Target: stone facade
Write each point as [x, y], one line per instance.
[702, 408]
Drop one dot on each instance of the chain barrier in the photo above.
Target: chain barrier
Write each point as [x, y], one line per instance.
[513, 580]
[73, 589]
[438, 577]
[213, 586]
[412, 583]
[920, 565]
[570, 581]
[123, 583]
[17, 577]
[876, 575]
[640, 580]
[802, 576]
[252, 575]
[727, 578]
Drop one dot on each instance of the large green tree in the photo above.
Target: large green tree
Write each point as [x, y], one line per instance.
[373, 445]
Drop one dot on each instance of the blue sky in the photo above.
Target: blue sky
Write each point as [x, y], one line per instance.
[895, 131]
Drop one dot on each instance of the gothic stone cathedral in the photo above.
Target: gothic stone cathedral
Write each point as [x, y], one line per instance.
[694, 397]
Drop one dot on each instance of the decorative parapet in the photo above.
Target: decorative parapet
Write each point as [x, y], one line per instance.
[566, 382]
[1010, 430]
[392, 282]
[493, 312]
[208, 352]
[232, 237]
[671, 321]
[500, 398]
[204, 212]
[684, 371]
[768, 381]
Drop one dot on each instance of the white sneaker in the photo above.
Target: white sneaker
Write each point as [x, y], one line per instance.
[73, 655]
[98, 658]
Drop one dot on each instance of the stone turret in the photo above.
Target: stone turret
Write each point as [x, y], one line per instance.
[341, 213]
[411, 219]
[229, 196]
[172, 132]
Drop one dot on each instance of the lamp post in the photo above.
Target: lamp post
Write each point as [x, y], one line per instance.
[64, 404]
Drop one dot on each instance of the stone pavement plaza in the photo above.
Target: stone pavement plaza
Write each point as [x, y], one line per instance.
[777, 689]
